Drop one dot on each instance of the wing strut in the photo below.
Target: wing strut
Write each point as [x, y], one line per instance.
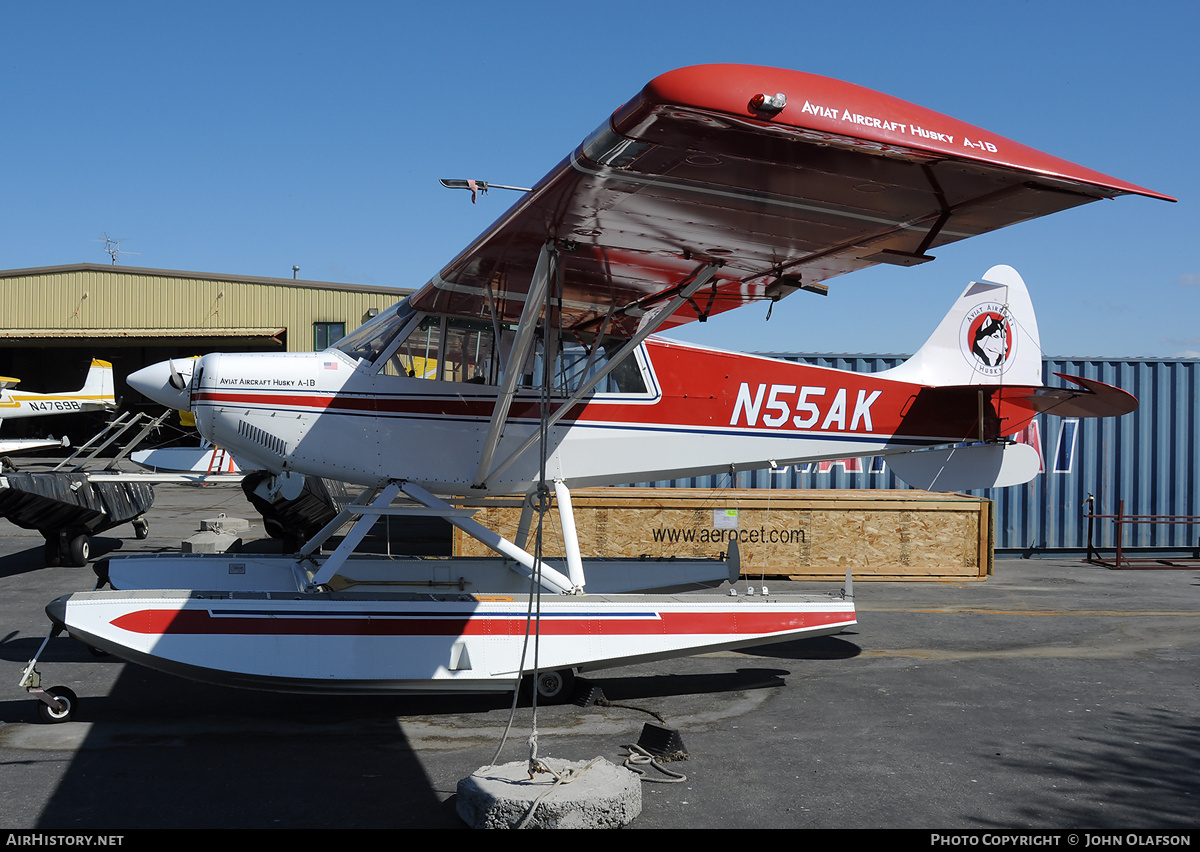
[547, 268]
[566, 516]
[551, 579]
[649, 323]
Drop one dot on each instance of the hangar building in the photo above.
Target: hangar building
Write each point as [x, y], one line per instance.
[56, 319]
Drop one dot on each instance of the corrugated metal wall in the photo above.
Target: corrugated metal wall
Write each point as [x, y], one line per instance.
[89, 301]
[1147, 458]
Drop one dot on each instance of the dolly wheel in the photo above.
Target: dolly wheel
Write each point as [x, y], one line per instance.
[66, 698]
[555, 687]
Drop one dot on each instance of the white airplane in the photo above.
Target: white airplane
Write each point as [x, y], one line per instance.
[528, 367]
[95, 395]
[205, 459]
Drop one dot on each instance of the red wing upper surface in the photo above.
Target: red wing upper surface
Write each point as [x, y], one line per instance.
[700, 168]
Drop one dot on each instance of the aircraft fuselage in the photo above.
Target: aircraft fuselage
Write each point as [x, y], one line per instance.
[694, 411]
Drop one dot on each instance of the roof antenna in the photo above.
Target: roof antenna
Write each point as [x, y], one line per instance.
[478, 186]
[112, 247]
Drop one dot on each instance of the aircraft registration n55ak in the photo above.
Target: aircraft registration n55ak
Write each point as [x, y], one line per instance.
[528, 367]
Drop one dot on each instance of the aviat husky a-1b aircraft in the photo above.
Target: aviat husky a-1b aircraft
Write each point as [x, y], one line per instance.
[95, 395]
[528, 360]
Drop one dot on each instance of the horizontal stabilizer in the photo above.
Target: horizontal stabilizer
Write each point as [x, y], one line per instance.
[1096, 399]
[25, 445]
[967, 468]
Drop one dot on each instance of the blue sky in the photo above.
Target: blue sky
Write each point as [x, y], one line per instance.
[249, 137]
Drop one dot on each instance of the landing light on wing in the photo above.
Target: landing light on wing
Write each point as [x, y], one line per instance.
[769, 103]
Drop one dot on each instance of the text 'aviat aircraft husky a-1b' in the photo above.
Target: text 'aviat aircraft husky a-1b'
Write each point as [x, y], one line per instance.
[528, 367]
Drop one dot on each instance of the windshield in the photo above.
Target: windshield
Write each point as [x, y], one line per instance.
[369, 339]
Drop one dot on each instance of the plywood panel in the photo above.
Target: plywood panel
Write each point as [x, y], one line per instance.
[781, 534]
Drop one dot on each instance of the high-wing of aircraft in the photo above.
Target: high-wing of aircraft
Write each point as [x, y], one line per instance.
[95, 395]
[528, 367]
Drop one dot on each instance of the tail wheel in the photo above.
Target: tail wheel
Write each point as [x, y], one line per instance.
[68, 703]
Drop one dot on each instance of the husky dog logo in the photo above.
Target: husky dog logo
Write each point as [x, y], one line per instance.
[987, 340]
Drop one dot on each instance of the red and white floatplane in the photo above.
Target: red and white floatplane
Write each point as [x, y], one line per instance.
[529, 366]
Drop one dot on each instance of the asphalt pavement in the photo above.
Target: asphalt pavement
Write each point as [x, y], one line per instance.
[1054, 695]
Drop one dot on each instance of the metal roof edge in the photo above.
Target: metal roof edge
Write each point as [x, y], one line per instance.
[398, 292]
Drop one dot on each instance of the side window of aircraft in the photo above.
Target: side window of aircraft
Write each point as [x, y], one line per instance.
[457, 349]
[626, 377]
[578, 361]
[469, 352]
[447, 349]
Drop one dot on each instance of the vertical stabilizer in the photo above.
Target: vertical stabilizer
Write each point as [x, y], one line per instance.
[98, 390]
[989, 337]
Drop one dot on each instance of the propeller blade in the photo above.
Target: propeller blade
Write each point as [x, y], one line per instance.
[176, 379]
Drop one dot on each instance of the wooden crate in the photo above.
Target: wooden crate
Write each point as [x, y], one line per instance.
[801, 535]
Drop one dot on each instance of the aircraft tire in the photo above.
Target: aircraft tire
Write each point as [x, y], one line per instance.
[65, 697]
[141, 529]
[79, 550]
[51, 555]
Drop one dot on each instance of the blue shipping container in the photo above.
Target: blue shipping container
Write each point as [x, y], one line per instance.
[1148, 459]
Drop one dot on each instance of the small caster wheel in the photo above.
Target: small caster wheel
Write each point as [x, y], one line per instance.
[555, 687]
[66, 698]
[141, 529]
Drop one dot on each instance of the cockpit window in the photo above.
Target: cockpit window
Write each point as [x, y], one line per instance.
[457, 349]
[417, 356]
[372, 337]
[448, 349]
[470, 352]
